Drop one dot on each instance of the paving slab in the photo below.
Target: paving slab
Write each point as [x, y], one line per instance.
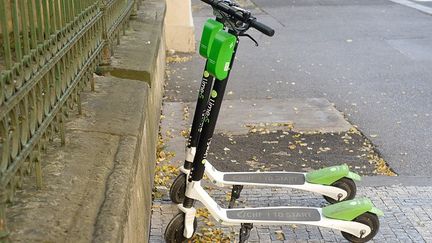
[306, 115]
[401, 222]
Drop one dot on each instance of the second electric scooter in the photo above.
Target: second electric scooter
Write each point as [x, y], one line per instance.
[357, 219]
[335, 183]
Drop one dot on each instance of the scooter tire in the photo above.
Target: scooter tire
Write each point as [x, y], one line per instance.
[368, 219]
[178, 189]
[345, 184]
[175, 228]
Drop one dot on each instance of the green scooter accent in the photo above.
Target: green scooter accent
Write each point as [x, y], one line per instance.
[211, 28]
[351, 209]
[220, 54]
[328, 175]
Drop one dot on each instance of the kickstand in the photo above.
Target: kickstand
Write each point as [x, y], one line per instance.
[235, 194]
[245, 232]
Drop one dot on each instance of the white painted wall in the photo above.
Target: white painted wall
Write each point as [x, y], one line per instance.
[179, 27]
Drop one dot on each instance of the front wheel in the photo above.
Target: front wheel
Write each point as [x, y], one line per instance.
[175, 228]
[178, 189]
[368, 219]
[345, 184]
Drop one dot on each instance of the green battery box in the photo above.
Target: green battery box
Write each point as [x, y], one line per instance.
[222, 50]
[211, 28]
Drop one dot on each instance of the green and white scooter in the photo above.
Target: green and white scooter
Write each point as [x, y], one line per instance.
[357, 219]
[335, 183]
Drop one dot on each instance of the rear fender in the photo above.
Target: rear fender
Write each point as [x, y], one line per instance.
[351, 209]
[328, 175]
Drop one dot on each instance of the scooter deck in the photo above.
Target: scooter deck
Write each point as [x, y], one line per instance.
[275, 214]
[277, 178]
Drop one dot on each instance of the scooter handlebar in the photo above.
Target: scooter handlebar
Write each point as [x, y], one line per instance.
[238, 15]
[262, 28]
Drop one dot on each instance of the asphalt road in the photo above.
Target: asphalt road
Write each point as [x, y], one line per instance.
[371, 58]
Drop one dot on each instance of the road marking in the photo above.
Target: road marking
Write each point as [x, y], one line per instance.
[417, 6]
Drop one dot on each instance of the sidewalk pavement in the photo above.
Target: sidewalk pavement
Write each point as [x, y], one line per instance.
[276, 75]
[406, 202]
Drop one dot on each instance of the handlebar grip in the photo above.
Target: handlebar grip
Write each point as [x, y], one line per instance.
[262, 28]
[254, 23]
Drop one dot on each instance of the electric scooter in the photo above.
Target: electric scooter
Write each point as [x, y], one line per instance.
[335, 183]
[357, 219]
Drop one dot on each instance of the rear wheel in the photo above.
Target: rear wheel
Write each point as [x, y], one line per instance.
[175, 228]
[178, 189]
[368, 219]
[345, 184]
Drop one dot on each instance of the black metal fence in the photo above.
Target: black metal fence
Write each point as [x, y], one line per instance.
[49, 52]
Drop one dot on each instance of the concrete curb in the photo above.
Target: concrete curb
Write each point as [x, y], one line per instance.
[125, 214]
[368, 181]
[110, 111]
[112, 216]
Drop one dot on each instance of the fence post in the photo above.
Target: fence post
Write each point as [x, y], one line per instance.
[135, 8]
[106, 51]
[3, 227]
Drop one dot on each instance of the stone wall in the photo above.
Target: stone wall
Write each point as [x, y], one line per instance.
[98, 188]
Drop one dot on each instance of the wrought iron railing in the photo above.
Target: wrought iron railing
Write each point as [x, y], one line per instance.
[50, 50]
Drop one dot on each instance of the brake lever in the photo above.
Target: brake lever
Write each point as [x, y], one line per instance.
[250, 37]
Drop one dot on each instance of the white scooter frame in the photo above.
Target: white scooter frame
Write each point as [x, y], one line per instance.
[218, 178]
[195, 191]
